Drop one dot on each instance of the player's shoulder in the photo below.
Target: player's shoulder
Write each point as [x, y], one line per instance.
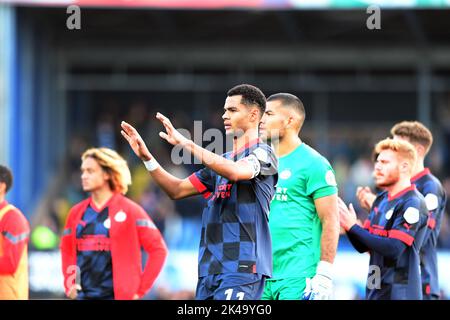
[78, 206]
[264, 153]
[14, 215]
[263, 146]
[314, 163]
[431, 184]
[414, 198]
[127, 204]
[313, 155]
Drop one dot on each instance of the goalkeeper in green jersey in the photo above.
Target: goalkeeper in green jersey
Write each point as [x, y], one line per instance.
[304, 221]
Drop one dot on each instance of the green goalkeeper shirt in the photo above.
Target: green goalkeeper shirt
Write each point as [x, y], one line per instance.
[304, 175]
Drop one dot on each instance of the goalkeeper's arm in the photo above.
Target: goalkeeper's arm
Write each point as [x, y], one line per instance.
[321, 285]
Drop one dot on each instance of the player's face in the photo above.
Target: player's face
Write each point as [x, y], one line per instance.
[93, 177]
[236, 118]
[272, 124]
[387, 169]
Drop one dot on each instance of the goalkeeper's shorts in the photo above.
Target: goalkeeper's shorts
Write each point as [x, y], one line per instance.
[284, 289]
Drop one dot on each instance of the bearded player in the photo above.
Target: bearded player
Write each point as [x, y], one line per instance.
[303, 220]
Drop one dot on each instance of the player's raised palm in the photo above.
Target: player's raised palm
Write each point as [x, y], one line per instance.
[172, 135]
[135, 141]
[365, 197]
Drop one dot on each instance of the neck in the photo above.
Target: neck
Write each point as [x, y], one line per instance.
[249, 136]
[287, 144]
[2, 198]
[402, 184]
[419, 167]
[101, 196]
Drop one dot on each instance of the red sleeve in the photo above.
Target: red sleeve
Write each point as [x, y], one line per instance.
[68, 254]
[15, 232]
[151, 239]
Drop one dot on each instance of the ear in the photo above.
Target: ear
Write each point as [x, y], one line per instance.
[106, 175]
[290, 122]
[405, 167]
[420, 150]
[255, 115]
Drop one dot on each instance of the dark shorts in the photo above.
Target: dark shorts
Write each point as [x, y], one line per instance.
[230, 286]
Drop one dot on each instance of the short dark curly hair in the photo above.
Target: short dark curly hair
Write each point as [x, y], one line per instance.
[6, 177]
[251, 96]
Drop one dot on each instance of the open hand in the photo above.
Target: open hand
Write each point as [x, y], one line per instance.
[135, 141]
[365, 197]
[347, 216]
[172, 135]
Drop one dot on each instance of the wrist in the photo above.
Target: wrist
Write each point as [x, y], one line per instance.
[185, 143]
[325, 268]
[146, 157]
[349, 226]
[151, 164]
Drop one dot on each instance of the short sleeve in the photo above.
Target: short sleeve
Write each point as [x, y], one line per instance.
[204, 181]
[15, 227]
[264, 160]
[409, 218]
[321, 180]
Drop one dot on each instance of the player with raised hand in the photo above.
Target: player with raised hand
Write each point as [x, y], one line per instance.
[395, 229]
[235, 246]
[304, 221]
[431, 188]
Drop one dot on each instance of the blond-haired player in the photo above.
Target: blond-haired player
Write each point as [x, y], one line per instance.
[102, 241]
[395, 229]
[430, 187]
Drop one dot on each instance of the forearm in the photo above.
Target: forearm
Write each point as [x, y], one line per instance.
[10, 260]
[329, 239]
[223, 167]
[358, 245]
[387, 247]
[154, 265]
[157, 251]
[166, 181]
[7, 266]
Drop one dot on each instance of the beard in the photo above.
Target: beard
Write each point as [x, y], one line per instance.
[388, 180]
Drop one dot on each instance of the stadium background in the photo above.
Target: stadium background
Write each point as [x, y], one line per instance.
[62, 91]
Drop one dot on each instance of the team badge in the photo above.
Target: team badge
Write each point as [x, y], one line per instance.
[431, 201]
[411, 215]
[107, 223]
[285, 174]
[389, 214]
[120, 216]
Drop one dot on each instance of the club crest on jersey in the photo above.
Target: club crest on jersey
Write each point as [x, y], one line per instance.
[120, 216]
[431, 201]
[411, 215]
[285, 174]
[389, 214]
[107, 223]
